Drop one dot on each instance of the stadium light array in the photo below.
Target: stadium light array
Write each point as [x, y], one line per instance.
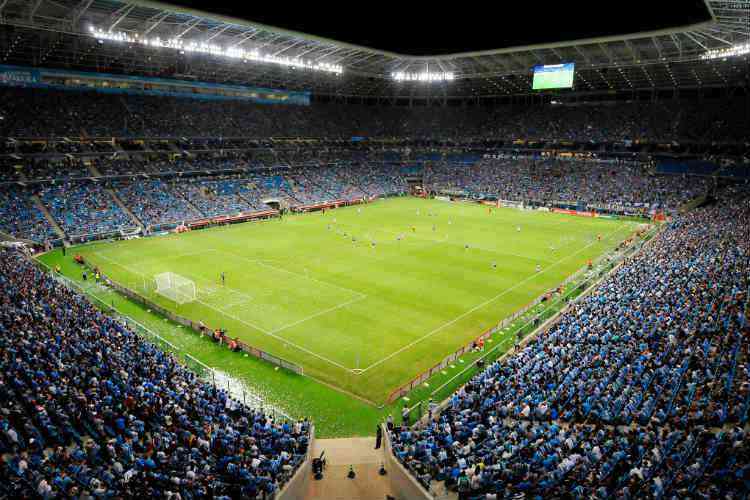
[213, 49]
[404, 76]
[735, 50]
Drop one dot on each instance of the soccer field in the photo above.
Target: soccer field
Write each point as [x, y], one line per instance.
[314, 289]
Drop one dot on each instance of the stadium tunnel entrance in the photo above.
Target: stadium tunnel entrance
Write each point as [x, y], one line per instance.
[274, 203]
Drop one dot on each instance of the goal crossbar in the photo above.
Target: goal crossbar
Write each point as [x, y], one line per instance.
[176, 288]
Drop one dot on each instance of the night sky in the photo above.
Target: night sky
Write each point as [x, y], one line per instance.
[419, 28]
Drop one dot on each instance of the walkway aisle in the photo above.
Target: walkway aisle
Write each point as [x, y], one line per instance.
[340, 453]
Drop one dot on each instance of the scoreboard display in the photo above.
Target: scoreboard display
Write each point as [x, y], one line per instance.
[553, 76]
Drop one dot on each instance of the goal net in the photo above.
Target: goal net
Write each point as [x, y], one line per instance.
[175, 287]
[130, 233]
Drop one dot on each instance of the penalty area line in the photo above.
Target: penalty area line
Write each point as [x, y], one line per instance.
[319, 313]
[264, 263]
[246, 323]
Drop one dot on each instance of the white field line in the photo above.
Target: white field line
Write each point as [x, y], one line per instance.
[168, 257]
[263, 263]
[360, 295]
[453, 243]
[189, 254]
[237, 303]
[483, 304]
[320, 313]
[245, 297]
[246, 323]
[213, 288]
[280, 339]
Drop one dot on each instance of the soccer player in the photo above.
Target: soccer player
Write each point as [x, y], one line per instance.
[466, 246]
[538, 268]
[223, 278]
[373, 243]
[518, 228]
[494, 264]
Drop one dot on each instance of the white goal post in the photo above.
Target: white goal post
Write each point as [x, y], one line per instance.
[130, 233]
[175, 287]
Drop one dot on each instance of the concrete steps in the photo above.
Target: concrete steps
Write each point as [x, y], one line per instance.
[9, 237]
[38, 204]
[125, 209]
[94, 171]
[440, 492]
[190, 203]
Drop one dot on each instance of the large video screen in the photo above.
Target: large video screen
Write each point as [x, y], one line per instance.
[553, 76]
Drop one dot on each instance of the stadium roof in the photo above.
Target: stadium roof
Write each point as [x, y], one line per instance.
[57, 33]
[406, 29]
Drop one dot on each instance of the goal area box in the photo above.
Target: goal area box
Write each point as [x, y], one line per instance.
[175, 287]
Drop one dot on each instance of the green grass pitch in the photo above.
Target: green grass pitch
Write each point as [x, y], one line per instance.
[364, 317]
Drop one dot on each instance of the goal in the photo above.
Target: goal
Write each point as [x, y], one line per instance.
[175, 287]
[130, 233]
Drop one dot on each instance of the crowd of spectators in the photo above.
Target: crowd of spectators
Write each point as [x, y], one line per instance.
[641, 389]
[381, 179]
[91, 410]
[157, 194]
[84, 208]
[131, 167]
[154, 202]
[59, 113]
[618, 185]
[221, 196]
[39, 169]
[19, 216]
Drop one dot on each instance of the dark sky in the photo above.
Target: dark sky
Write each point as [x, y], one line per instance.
[419, 28]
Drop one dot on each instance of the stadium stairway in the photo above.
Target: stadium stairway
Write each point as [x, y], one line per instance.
[246, 199]
[190, 203]
[340, 454]
[9, 237]
[94, 170]
[360, 455]
[38, 204]
[125, 209]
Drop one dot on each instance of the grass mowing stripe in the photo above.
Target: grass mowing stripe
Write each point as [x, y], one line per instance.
[298, 280]
[229, 315]
[325, 311]
[483, 304]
